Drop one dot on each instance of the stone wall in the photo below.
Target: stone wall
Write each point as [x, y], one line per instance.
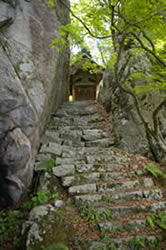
[33, 81]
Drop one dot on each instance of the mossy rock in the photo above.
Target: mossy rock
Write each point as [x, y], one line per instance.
[53, 232]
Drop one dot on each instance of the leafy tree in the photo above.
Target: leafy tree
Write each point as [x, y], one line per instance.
[126, 31]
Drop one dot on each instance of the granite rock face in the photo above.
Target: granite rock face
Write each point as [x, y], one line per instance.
[33, 80]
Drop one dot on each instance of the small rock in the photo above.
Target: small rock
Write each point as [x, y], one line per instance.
[59, 203]
[148, 182]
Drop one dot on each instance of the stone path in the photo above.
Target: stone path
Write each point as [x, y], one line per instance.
[110, 187]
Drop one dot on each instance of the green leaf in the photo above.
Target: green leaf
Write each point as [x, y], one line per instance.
[160, 224]
[150, 221]
[47, 163]
[155, 171]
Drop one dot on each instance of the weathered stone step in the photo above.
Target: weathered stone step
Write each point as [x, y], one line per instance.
[137, 242]
[71, 135]
[51, 136]
[75, 122]
[119, 175]
[52, 149]
[74, 143]
[81, 189]
[105, 142]
[155, 194]
[125, 184]
[73, 111]
[80, 179]
[83, 167]
[77, 105]
[111, 187]
[144, 241]
[99, 155]
[124, 210]
[91, 177]
[116, 227]
[93, 134]
[63, 170]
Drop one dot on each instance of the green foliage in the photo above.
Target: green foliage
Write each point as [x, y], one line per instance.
[10, 226]
[141, 243]
[150, 220]
[91, 214]
[155, 171]
[138, 243]
[11, 221]
[49, 3]
[47, 164]
[157, 219]
[132, 175]
[39, 198]
[58, 246]
[107, 198]
[59, 43]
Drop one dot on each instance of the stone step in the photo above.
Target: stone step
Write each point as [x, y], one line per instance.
[125, 184]
[104, 143]
[99, 155]
[71, 135]
[145, 241]
[81, 189]
[63, 170]
[74, 143]
[82, 167]
[104, 167]
[67, 160]
[136, 242]
[84, 105]
[93, 134]
[124, 210]
[73, 111]
[85, 176]
[120, 175]
[51, 136]
[75, 122]
[95, 199]
[51, 148]
[116, 227]
[80, 179]
[79, 103]
[112, 187]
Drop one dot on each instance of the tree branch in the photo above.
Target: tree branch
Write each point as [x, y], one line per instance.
[155, 114]
[148, 50]
[84, 25]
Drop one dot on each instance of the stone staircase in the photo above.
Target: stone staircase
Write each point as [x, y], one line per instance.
[110, 187]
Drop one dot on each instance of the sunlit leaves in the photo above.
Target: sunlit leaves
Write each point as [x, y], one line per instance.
[95, 16]
[51, 3]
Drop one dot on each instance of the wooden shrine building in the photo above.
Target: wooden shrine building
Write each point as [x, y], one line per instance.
[83, 84]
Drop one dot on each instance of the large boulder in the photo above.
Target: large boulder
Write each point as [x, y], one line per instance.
[33, 81]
